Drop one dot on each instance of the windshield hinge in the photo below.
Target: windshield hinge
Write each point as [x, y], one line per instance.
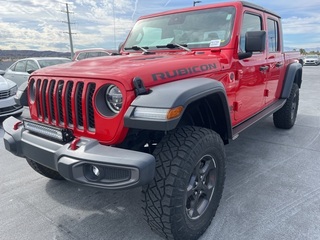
[139, 87]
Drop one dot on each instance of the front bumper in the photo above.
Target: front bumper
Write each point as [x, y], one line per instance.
[311, 63]
[118, 168]
[8, 107]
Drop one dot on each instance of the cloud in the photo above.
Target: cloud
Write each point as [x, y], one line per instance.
[38, 24]
[294, 25]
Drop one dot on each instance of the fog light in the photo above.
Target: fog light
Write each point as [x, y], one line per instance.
[93, 172]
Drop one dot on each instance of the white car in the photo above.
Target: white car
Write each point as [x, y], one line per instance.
[20, 71]
[311, 60]
[8, 106]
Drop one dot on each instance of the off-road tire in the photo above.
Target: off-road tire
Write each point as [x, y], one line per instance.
[47, 172]
[286, 116]
[183, 157]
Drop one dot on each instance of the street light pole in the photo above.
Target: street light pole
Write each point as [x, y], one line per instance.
[195, 2]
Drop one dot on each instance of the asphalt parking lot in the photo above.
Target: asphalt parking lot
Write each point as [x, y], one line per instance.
[272, 190]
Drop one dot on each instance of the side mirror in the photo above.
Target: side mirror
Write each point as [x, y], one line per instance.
[255, 42]
[2, 72]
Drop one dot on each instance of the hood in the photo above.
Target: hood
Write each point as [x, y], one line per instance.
[6, 84]
[153, 69]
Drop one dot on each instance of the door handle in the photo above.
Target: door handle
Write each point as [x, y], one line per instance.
[264, 68]
[279, 64]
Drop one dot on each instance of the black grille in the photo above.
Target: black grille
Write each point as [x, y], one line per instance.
[79, 104]
[91, 89]
[117, 174]
[51, 99]
[43, 96]
[9, 109]
[60, 103]
[65, 103]
[69, 105]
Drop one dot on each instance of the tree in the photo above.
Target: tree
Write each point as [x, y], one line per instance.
[303, 51]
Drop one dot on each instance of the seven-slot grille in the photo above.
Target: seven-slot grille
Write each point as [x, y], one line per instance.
[65, 103]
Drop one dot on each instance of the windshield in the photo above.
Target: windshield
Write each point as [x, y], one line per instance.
[46, 63]
[194, 29]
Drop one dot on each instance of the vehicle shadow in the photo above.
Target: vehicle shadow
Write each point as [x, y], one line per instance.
[91, 213]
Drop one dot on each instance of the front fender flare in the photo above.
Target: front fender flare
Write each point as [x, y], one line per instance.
[174, 94]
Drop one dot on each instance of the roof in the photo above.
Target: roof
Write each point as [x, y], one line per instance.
[254, 6]
[208, 6]
[44, 58]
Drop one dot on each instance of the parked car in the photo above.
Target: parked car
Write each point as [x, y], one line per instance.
[93, 52]
[8, 107]
[20, 71]
[311, 60]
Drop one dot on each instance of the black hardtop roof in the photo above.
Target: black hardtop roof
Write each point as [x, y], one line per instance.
[254, 6]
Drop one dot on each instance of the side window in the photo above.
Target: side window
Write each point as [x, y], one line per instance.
[20, 66]
[32, 65]
[92, 54]
[273, 36]
[81, 56]
[12, 68]
[250, 22]
[103, 54]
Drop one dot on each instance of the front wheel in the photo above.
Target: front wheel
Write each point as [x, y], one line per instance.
[190, 170]
[286, 116]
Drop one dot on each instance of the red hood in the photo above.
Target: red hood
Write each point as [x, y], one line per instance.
[152, 69]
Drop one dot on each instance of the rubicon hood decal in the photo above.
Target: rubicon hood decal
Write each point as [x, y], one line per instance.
[183, 71]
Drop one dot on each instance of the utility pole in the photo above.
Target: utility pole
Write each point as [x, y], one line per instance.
[69, 28]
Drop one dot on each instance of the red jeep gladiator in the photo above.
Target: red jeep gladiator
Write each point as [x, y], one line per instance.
[187, 82]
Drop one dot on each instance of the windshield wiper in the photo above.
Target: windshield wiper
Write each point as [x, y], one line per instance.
[175, 45]
[144, 49]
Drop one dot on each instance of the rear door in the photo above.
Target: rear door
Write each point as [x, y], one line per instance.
[17, 73]
[275, 59]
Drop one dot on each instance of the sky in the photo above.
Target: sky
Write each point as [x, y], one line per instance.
[42, 24]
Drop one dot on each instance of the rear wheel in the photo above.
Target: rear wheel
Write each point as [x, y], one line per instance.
[47, 172]
[286, 116]
[185, 193]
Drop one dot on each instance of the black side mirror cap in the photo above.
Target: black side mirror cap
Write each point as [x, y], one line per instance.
[255, 41]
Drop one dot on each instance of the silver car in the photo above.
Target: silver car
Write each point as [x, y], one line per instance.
[311, 60]
[20, 71]
[8, 107]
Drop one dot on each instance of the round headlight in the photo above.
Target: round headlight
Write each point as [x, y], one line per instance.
[114, 98]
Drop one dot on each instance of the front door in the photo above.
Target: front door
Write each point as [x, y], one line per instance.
[252, 74]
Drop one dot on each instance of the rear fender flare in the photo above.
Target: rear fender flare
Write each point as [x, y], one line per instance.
[293, 73]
